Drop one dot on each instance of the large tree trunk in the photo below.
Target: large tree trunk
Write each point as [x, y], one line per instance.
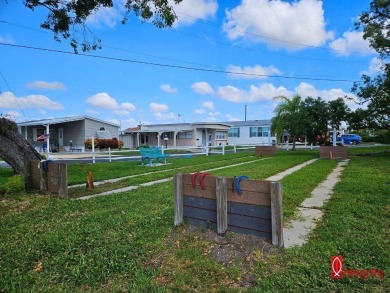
[14, 149]
[294, 142]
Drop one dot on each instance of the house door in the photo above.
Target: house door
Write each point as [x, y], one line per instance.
[204, 137]
[60, 137]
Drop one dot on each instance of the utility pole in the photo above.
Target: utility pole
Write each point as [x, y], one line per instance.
[245, 112]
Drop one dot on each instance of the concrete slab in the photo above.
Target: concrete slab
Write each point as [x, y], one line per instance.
[300, 228]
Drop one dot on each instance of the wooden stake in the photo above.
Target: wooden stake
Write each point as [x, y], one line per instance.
[331, 155]
[43, 176]
[62, 181]
[178, 194]
[277, 214]
[90, 180]
[221, 194]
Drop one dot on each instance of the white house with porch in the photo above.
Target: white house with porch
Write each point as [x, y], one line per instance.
[176, 135]
[66, 133]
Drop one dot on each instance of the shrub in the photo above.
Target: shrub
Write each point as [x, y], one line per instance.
[104, 143]
[15, 184]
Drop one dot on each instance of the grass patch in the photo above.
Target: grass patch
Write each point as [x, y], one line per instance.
[355, 225]
[256, 169]
[77, 173]
[5, 174]
[126, 242]
[299, 185]
[352, 150]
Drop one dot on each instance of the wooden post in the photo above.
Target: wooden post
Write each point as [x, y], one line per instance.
[43, 176]
[93, 150]
[178, 196]
[277, 214]
[221, 194]
[62, 181]
[90, 180]
[27, 175]
[331, 155]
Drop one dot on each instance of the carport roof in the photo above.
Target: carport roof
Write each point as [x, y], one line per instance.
[61, 120]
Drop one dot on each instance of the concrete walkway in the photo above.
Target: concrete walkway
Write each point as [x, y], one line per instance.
[309, 213]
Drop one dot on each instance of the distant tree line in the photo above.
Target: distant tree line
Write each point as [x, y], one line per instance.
[312, 118]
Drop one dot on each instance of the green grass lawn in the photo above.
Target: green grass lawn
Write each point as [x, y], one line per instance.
[77, 173]
[256, 168]
[127, 242]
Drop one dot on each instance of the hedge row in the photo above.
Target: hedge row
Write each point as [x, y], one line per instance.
[104, 143]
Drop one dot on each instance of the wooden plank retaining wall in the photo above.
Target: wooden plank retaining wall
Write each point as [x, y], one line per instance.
[257, 211]
[331, 152]
[266, 150]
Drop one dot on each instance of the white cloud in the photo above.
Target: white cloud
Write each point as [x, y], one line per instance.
[103, 100]
[264, 21]
[155, 108]
[127, 123]
[54, 85]
[7, 39]
[255, 72]
[92, 112]
[9, 100]
[202, 88]
[351, 42]
[105, 16]
[305, 89]
[189, 12]
[229, 117]
[168, 89]
[115, 121]
[121, 112]
[374, 67]
[199, 111]
[208, 105]
[13, 114]
[162, 116]
[128, 106]
[265, 91]
[212, 116]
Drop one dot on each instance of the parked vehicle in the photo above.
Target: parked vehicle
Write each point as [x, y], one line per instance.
[349, 138]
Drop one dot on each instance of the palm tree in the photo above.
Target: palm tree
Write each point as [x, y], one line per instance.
[289, 116]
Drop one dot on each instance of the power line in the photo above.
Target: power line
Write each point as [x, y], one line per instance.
[206, 39]
[174, 66]
[16, 99]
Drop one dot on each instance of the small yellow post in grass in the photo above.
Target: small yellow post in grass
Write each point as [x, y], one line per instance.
[90, 181]
[331, 155]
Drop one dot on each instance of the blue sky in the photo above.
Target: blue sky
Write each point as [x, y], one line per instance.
[248, 52]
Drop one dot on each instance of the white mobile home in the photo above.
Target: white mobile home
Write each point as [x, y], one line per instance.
[176, 135]
[256, 132]
[68, 132]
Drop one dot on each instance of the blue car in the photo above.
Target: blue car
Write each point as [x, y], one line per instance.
[349, 138]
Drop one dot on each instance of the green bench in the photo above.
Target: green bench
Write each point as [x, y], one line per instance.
[153, 153]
